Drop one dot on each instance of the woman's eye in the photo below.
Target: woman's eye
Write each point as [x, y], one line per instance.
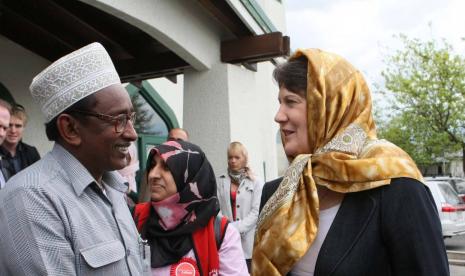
[291, 102]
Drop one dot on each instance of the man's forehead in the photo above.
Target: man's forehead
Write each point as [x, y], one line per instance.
[4, 112]
[4, 116]
[113, 99]
[178, 132]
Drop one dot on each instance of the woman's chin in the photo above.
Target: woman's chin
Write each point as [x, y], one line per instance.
[290, 154]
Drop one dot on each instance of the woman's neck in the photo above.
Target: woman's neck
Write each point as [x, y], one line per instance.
[328, 198]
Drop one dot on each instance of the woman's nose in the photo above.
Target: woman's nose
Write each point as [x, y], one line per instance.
[280, 116]
[154, 173]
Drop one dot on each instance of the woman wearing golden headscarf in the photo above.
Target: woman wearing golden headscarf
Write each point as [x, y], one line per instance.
[349, 203]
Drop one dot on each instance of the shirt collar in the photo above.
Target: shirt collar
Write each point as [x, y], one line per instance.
[79, 176]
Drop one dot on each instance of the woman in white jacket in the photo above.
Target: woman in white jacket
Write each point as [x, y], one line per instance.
[239, 193]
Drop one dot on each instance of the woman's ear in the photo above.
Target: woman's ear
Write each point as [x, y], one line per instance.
[68, 127]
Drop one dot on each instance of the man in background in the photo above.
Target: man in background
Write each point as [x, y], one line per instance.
[5, 109]
[178, 134]
[17, 154]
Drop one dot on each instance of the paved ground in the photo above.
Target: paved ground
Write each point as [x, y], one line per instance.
[456, 244]
[456, 270]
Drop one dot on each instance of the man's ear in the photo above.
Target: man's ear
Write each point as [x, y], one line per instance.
[68, 127]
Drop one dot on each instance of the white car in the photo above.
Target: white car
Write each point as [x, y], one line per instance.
[450, 206]
[451, 179]
[461, 189]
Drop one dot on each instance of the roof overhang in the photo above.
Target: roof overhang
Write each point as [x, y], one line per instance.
[53, 28]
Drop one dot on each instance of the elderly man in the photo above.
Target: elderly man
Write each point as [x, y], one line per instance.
[5, 109]
[66, 214]
[178, 134]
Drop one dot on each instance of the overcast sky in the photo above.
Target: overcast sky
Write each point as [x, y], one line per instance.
[362, 30]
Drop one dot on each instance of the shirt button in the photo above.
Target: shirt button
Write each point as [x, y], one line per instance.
[128, 252]
[238, 206]
[238, 192]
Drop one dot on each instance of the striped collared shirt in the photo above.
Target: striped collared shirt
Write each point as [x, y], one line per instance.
[54, 220]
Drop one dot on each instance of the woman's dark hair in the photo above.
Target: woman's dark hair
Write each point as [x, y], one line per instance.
[292, 75]
[86, 103]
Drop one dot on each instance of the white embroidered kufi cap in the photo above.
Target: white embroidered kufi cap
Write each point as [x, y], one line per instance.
[72, 78]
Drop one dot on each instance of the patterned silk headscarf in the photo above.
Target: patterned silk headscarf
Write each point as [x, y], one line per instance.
[195, 200]
[345, 156]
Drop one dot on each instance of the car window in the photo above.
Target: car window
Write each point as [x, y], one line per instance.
[461, 187]
[452, 181]
[450, 195]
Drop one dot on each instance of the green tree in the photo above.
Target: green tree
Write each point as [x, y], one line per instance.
[427, 80]
[422, 145]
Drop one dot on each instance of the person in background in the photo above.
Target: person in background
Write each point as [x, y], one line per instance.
[349, 203]
[181, 222]
[5, 110]
[239, 193]
[175, 134]
[178, 134]
[18, 155]
[66, 214]
[129, 175]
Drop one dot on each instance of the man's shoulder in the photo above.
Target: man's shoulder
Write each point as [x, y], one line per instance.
[27, 147]
[40, 173]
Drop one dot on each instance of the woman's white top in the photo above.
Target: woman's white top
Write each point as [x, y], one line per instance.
[306, 265]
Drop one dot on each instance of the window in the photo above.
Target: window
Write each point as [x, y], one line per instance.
[147, 120]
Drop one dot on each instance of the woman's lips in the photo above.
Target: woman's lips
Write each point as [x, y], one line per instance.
[157, 186]
[287, 132]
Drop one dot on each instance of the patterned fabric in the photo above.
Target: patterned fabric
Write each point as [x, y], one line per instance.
[345, 156]
[55, 221]
[238, 176]
[73, 77]
[196, 201]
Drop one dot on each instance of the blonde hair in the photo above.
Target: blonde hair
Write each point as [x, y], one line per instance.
[238, 146]
[19, 112]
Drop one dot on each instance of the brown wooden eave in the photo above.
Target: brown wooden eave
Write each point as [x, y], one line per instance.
[246, 48]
